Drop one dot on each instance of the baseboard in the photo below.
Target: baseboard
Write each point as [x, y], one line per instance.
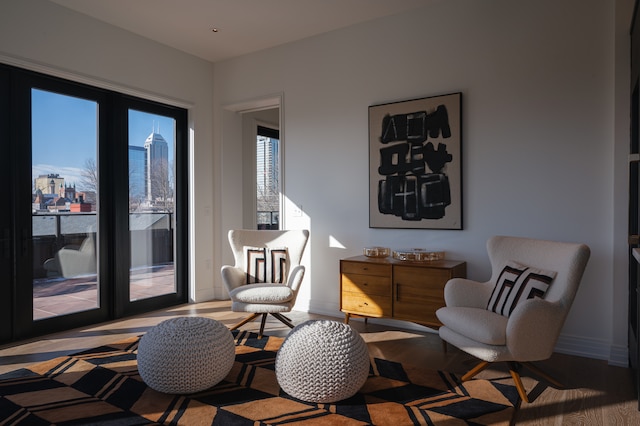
[580, 346]
[205, 294]
[619, 356]
[616, 355]
[327, 309]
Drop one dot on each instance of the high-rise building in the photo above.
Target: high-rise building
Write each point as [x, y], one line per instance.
[267, 184]
[157, 166]
[137, 173]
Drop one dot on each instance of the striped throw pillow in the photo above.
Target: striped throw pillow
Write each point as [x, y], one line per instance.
[265, 264]
[516, 283]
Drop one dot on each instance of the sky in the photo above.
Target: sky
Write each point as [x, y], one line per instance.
[64, 134]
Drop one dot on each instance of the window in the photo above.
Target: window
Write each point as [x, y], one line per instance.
[268, 178]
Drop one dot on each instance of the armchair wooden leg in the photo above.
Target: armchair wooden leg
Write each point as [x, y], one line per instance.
[513, 369]
[286, 321]
[475, 370]
[544, 376]
[263, 321]
[244, 321]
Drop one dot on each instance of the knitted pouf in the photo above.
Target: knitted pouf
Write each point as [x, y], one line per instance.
[185, 355]
[322, 361]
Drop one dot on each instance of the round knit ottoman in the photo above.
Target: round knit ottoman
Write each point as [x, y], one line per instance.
[185, 355]
[322, 361]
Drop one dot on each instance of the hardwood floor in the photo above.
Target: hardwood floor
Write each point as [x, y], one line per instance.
[595, 393]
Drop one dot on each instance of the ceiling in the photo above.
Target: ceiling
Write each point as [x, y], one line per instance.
[243, 26]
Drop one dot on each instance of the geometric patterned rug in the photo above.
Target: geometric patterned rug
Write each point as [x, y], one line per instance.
[102, 386]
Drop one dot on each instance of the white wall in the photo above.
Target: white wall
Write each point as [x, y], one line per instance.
[542, 132]
[41, 35]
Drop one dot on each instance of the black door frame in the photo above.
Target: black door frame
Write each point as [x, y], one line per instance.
[16, 310]
[633, 335]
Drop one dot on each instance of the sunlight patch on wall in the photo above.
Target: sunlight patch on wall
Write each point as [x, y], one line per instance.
[334, 243]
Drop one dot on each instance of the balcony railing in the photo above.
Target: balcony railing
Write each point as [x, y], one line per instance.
[151, 237]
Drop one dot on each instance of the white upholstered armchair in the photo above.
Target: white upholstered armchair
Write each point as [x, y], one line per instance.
[516, 316]
[267, 273]
[73, 261]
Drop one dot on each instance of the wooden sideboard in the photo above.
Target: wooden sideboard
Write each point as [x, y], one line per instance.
[390, 288]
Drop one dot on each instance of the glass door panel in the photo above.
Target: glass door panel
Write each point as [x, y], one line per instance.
[152, 196]
[64, 207]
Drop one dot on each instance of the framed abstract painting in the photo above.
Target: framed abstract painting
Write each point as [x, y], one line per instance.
[415, 163]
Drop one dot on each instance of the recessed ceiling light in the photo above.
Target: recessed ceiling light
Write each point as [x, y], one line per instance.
[214, 29]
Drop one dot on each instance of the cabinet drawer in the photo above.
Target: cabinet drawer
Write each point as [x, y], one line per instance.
[356, 303]
[419, 293]
[366, 284]
[363, 268]
[418, 313]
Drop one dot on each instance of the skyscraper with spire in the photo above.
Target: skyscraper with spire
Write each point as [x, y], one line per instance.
[157, 173]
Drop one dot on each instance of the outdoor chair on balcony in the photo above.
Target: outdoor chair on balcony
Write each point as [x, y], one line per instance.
[267, 273]
[72, 261]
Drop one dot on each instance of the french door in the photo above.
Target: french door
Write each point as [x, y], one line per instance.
[95, 220]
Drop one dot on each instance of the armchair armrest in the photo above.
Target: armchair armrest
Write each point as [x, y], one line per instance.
[295, 277]
[467, 293]
[533, 329]
[232, 277]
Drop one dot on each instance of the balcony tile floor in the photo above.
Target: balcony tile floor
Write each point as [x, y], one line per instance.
[60, 296]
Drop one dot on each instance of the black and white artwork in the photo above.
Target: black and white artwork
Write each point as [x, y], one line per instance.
[415, 171]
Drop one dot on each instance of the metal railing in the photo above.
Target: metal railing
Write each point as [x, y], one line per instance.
[152, 237]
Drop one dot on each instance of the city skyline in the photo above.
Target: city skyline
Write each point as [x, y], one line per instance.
[64, 132]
